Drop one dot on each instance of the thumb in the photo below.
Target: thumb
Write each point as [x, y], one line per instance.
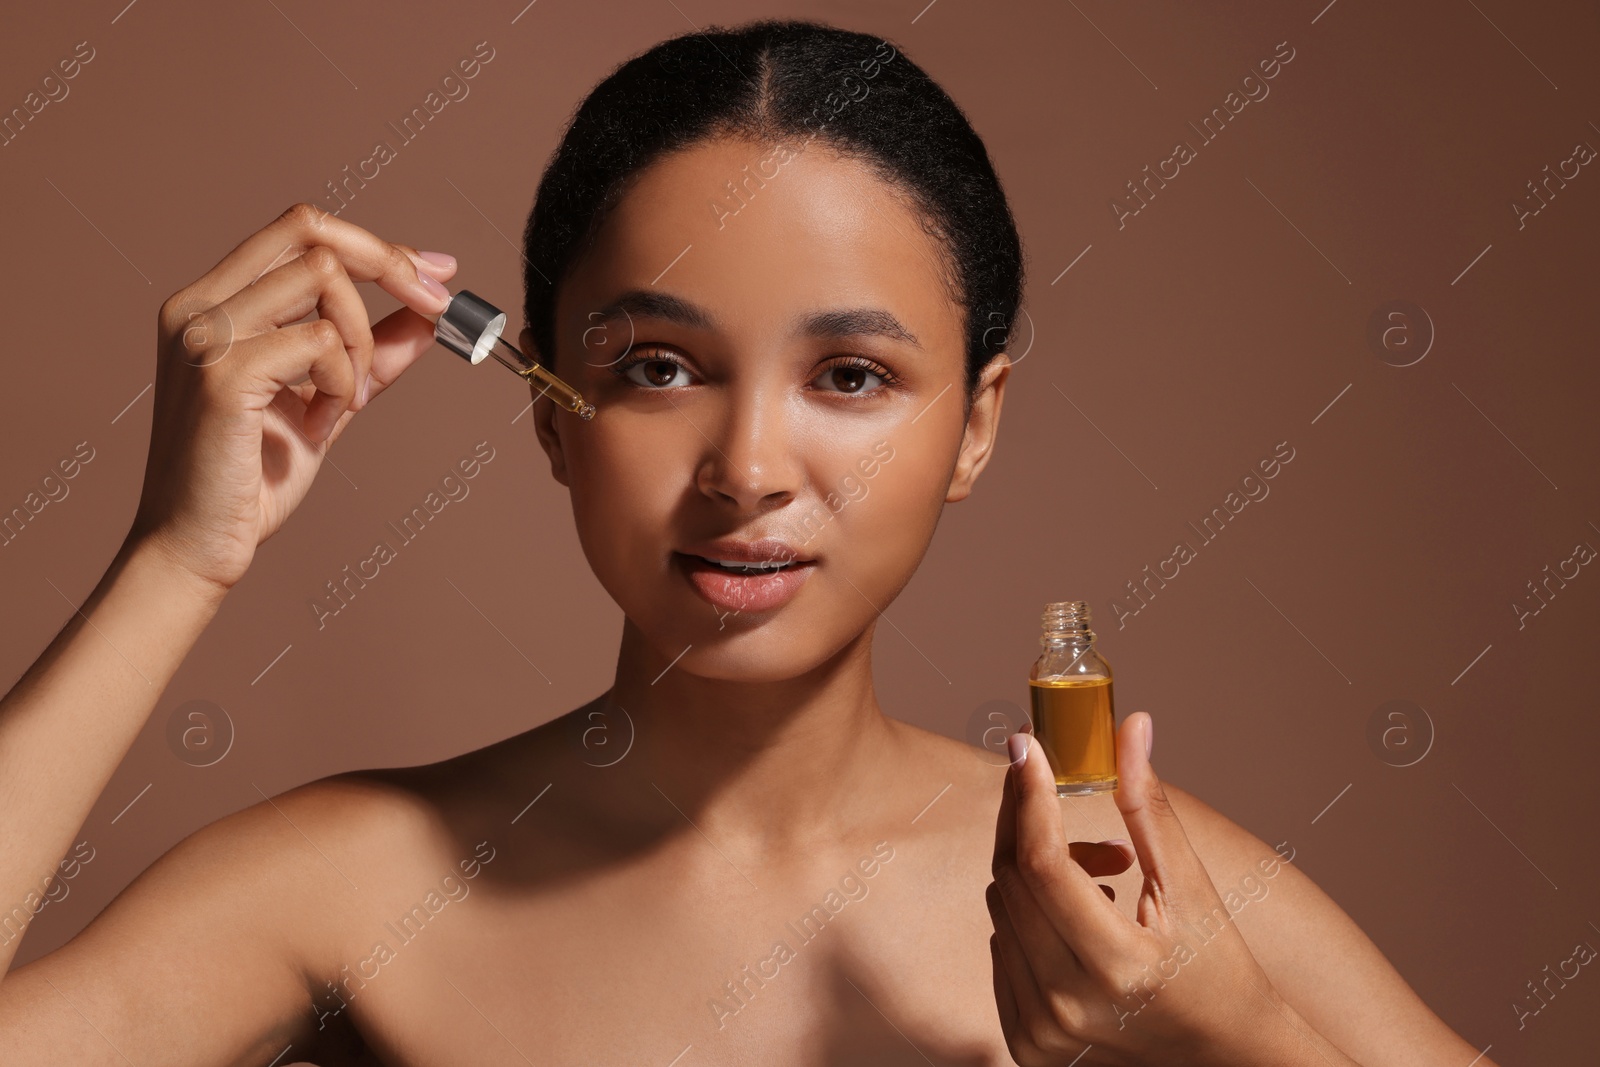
[1165, 854]
[398, 341]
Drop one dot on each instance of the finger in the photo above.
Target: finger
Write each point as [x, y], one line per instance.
[439, 264]
[1100, 859]
[1163, 847]
[1005, 821]
[1052, 962]
[1004, 999]
[278, 359]
[366, 257]
[1005, 827]
[399, 339]
[1080, 913]
[316, 282]
[1019, 976]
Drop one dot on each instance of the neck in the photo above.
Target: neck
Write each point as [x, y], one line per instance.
[797, 759]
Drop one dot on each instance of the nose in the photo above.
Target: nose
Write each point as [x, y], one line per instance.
[750, 459]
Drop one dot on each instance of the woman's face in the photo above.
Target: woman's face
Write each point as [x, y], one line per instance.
[786, 368]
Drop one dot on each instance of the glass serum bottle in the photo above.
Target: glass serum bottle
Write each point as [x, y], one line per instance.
[1073, 715]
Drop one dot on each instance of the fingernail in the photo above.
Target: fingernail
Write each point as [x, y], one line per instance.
[1017, 746]
[433, 285]
[1027, 728]
[1118, 841]
[439, 259]
[366, 387]
[1149, 735]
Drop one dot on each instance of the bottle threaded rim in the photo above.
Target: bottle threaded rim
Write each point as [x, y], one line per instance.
[1067, 618]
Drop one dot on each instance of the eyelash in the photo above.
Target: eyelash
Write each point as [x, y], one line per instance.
[657, 354]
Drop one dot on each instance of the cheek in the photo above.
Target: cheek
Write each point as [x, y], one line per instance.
[626, 478]
[885, 521]
[897, 514]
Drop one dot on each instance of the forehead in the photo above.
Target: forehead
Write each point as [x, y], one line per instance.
[759, 238]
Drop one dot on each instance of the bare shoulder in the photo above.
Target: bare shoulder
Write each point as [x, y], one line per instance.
[248, 915]
[397, 828]
[948, 797]
[1228, 851]
[1319, 959]
[235, 917]
[963, 767]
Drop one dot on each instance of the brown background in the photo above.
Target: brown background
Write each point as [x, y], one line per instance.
[1226, 317]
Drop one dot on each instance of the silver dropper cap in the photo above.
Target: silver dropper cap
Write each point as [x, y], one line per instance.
[469, 326]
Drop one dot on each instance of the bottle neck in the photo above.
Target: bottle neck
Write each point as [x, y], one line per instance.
[1066, 625]
[1078, 640]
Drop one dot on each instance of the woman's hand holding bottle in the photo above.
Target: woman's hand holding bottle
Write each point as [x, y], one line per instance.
[248, 399]
[1076, 981]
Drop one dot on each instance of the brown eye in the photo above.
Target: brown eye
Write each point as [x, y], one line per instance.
[660, 372]
[850, 378]
[654, 373]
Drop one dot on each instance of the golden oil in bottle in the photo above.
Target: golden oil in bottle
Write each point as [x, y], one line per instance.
[1073, 715]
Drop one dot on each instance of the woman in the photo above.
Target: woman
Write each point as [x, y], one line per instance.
[778, 261]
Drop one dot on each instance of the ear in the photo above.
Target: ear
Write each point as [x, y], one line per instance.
[544, 418]
[983, 424]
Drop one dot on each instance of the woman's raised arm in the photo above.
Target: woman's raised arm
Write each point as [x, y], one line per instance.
[237, 437]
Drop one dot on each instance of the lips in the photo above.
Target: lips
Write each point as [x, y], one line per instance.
[762, 550]
[744, 576]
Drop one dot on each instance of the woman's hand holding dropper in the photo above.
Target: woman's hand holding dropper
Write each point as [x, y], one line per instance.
[246, 402]
[1076, 981]
[239, 432]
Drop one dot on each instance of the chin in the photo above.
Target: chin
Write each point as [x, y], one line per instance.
[779, 646]
[755, 667]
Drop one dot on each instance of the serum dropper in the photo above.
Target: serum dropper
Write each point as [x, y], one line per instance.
[471, 327]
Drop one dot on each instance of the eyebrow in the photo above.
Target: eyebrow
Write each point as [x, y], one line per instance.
[830, 322]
